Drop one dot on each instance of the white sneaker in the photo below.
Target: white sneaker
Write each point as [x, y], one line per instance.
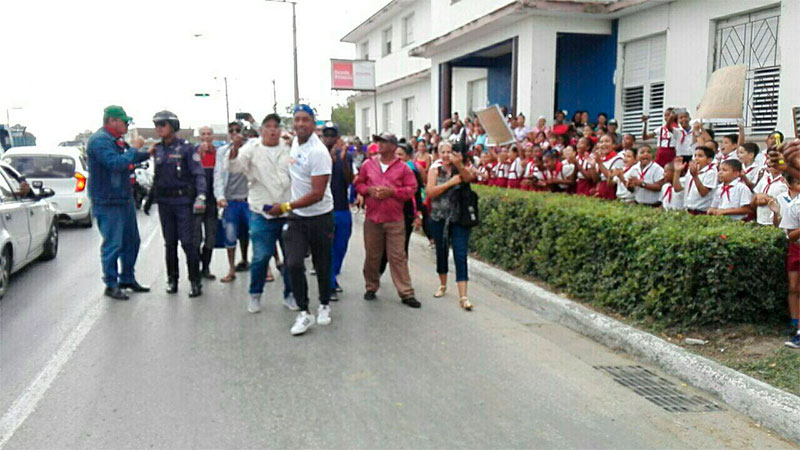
[324, 315]
[302, 323]
[255, 305]
[290, 303]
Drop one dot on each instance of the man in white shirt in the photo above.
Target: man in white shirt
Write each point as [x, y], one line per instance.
[265, 163]
[646, 179]
[310, 226]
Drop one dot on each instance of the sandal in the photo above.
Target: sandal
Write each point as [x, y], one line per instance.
[270, 278]
[465, 303]
[440, 292]
[227, 278]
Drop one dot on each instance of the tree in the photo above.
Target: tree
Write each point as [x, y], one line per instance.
[345, 117]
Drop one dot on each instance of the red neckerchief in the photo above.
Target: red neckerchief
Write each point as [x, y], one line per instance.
[726, 190]
[667, 193]
[627, 169]
[610, 156]
[770, 180]
[646, 169]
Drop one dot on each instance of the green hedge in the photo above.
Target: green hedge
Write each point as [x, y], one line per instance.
[638, 261]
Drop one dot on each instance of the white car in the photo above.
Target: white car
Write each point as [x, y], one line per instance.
[28, 225]
[62, 169]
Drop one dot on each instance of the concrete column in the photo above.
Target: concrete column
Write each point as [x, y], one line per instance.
[789, 94]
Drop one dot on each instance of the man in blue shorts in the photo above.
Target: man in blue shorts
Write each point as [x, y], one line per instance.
[231, 192]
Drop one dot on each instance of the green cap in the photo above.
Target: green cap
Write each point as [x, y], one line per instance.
[116, 112]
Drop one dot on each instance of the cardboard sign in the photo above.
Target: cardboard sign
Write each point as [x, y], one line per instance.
[723, 101]
[796, 117]
[497, 130]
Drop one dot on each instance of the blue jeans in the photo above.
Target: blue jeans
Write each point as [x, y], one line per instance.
[264, 234]
[342, 229]
[235, 220]
[117, 224]
[458, 237]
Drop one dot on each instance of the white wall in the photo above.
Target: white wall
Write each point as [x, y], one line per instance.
[690, 28]
[421, 93]
[450, 16]
[462, 76]
[398, 64]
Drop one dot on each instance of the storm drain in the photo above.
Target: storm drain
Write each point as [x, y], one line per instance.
[658, 390]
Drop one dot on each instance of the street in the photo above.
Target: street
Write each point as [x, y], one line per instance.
[159, 371]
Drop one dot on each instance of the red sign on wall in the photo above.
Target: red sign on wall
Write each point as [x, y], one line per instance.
[352, 75]
[342, 75]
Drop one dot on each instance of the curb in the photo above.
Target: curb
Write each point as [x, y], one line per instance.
[765, 404]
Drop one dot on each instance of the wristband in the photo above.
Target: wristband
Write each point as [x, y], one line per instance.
[286, 207]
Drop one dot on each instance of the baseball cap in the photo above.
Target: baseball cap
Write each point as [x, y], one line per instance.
[613, 122]
[116, 112]
[385, 137]
[330, 126]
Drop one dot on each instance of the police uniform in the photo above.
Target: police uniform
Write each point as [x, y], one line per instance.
[179, 179]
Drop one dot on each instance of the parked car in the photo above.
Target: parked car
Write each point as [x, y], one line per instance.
[28, 224]
[62, 169]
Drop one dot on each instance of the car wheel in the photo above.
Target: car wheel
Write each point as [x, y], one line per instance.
[88, 222]
[5, 270]
[51, 244]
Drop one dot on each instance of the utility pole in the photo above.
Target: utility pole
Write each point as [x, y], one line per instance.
[274, 98]
[227, 107]
[294, 42]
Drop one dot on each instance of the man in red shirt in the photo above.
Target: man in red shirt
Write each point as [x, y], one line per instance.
[386, 183]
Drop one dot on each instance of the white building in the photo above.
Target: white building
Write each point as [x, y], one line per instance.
[621, 57]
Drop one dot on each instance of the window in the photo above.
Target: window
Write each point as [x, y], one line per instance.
[365, 50]
[752, 40]
[387, 41]
[477, 96]
[43, 166]
[643, 83]
[365, 129]
[408, 117]
[408, 29]
[387, 118]
[6, 192]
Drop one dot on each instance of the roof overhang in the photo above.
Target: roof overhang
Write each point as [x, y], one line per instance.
[520, 9]
[360, 32]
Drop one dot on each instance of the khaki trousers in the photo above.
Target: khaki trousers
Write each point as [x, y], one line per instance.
[390, 236]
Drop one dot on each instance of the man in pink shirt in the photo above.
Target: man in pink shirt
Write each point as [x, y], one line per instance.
[386, 183]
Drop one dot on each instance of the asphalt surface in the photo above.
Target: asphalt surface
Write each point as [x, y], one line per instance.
[159, 371]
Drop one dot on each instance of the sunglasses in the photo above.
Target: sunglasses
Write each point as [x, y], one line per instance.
[330, 135]
[234, 130]
[161, 123]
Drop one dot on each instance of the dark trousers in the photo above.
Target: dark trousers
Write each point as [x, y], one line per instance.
[206, 234]
[343, 229]
[300, 235]
[178, 224]
[117, 224]
[458, 237]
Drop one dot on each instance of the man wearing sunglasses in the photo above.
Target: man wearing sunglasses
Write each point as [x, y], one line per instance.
[110, 162]
[179, 188]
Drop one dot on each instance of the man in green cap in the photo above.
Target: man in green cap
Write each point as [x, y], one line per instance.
[110, 163]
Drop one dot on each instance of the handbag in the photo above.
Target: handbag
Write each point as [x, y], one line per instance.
[467, 214]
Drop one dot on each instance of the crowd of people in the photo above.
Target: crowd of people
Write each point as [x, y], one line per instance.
[292, 192]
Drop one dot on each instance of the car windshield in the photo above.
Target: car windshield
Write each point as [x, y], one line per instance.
[43, 166]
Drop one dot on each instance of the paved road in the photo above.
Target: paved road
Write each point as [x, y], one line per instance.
[169, 372]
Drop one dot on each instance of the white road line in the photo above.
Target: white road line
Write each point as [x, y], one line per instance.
[26, 403]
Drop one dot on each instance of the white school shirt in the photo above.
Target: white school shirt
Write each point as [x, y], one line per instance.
[733, 195]
[683, 142]
[623, 194]
[584, 164]
[790, 212]
[723, 157]
[530, 168]
[310, 160]
[567, 170]
[652, 173]
[671, 200]
[693, 199]
[773, 186]
[664, 137]
[751, 171]
[614, 163]
[515, 170]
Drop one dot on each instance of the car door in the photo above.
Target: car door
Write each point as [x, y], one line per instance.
[38, 219]
[14, 215]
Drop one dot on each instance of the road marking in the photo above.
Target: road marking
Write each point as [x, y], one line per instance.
[27, 403]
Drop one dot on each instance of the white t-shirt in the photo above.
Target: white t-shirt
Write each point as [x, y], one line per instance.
[733, 195]
[652, 173]
[773, 186]
[693, 199]
[623, 194]
[310, 160]
[384, 167]
[671, 200]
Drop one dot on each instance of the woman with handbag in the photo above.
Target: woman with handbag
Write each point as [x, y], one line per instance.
[446, 177]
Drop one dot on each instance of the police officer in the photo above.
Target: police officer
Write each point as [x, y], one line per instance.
[179, 189]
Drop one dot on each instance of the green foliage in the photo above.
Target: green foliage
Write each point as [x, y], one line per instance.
[345, 117]
[638, 261]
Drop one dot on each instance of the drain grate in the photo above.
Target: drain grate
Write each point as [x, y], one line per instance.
[658, 390]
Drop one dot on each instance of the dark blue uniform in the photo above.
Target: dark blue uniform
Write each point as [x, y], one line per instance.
[179, 179]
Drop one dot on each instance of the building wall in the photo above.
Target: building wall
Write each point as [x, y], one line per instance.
[690, 28]
[462, 76]
[421, 93]
[450, 16]
[398, 64]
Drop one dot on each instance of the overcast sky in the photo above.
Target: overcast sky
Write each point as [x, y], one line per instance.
[64, 61]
